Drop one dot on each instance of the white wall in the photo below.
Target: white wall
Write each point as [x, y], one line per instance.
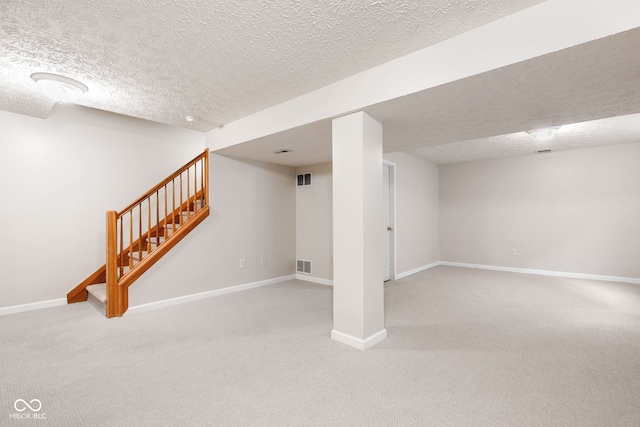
[253, 216]
[314, 225]
[61, 175]
[417, 215]
[572, 211]
[417, 212]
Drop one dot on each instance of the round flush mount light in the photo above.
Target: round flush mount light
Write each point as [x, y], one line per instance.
[59, 88]
[543, 134]
[191, 119]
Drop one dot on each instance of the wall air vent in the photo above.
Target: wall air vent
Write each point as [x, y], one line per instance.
[546, 150]
[303, 179]
[303, 266]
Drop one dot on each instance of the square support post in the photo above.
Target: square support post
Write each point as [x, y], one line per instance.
[358, 285]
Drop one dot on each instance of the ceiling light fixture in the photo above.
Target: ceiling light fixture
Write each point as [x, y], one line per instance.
[543, 134]
[191, 119]
[59, 88]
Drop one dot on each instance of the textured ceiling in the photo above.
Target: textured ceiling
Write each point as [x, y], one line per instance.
[595, 80]
[217, 60]
[594, 133]
[485, 116]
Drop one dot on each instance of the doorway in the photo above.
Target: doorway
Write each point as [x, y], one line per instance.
[388, 222]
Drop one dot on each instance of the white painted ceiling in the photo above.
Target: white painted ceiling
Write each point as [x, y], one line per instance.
[223, 60]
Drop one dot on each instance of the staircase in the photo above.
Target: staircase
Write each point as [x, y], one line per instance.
[139, 235]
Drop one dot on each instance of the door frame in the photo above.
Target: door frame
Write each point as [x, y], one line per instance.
[392, 217]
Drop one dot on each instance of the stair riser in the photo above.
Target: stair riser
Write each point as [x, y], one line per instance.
[97, 296]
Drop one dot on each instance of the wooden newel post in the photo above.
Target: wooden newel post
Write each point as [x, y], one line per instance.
[205, 184]
[113, 303]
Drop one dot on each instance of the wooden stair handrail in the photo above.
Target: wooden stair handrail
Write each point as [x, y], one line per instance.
[128, 279]
[134, 246]
[196, 206]
[166, 181]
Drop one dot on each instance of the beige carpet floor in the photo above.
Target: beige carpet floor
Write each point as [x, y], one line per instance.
[465, 348]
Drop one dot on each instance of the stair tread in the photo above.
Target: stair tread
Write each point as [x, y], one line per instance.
[136, 255]
[99, 291]
[169, 229]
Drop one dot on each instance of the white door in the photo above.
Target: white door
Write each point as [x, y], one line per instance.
[386, 222]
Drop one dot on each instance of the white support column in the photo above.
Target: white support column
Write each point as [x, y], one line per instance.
[358, 287]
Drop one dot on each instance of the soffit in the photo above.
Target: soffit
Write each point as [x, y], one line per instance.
[592, 89]
[594, 80]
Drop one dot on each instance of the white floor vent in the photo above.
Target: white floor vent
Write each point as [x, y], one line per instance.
[303, 266]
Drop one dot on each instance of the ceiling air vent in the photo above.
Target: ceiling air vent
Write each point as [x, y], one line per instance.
[303, 266]
[546, 150]
[303, 179]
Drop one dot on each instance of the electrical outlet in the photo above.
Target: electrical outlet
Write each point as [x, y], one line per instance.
[243, 263]
[513, 251]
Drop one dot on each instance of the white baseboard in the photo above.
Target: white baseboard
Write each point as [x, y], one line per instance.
[32, 306]
[416, 270]
[152, 305]
[312, 279]
[338, 336]
[544, 272]
[208, 294]
[358, 343]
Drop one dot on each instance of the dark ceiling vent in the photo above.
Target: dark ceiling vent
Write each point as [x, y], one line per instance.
[303, 179]
[546, 150]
